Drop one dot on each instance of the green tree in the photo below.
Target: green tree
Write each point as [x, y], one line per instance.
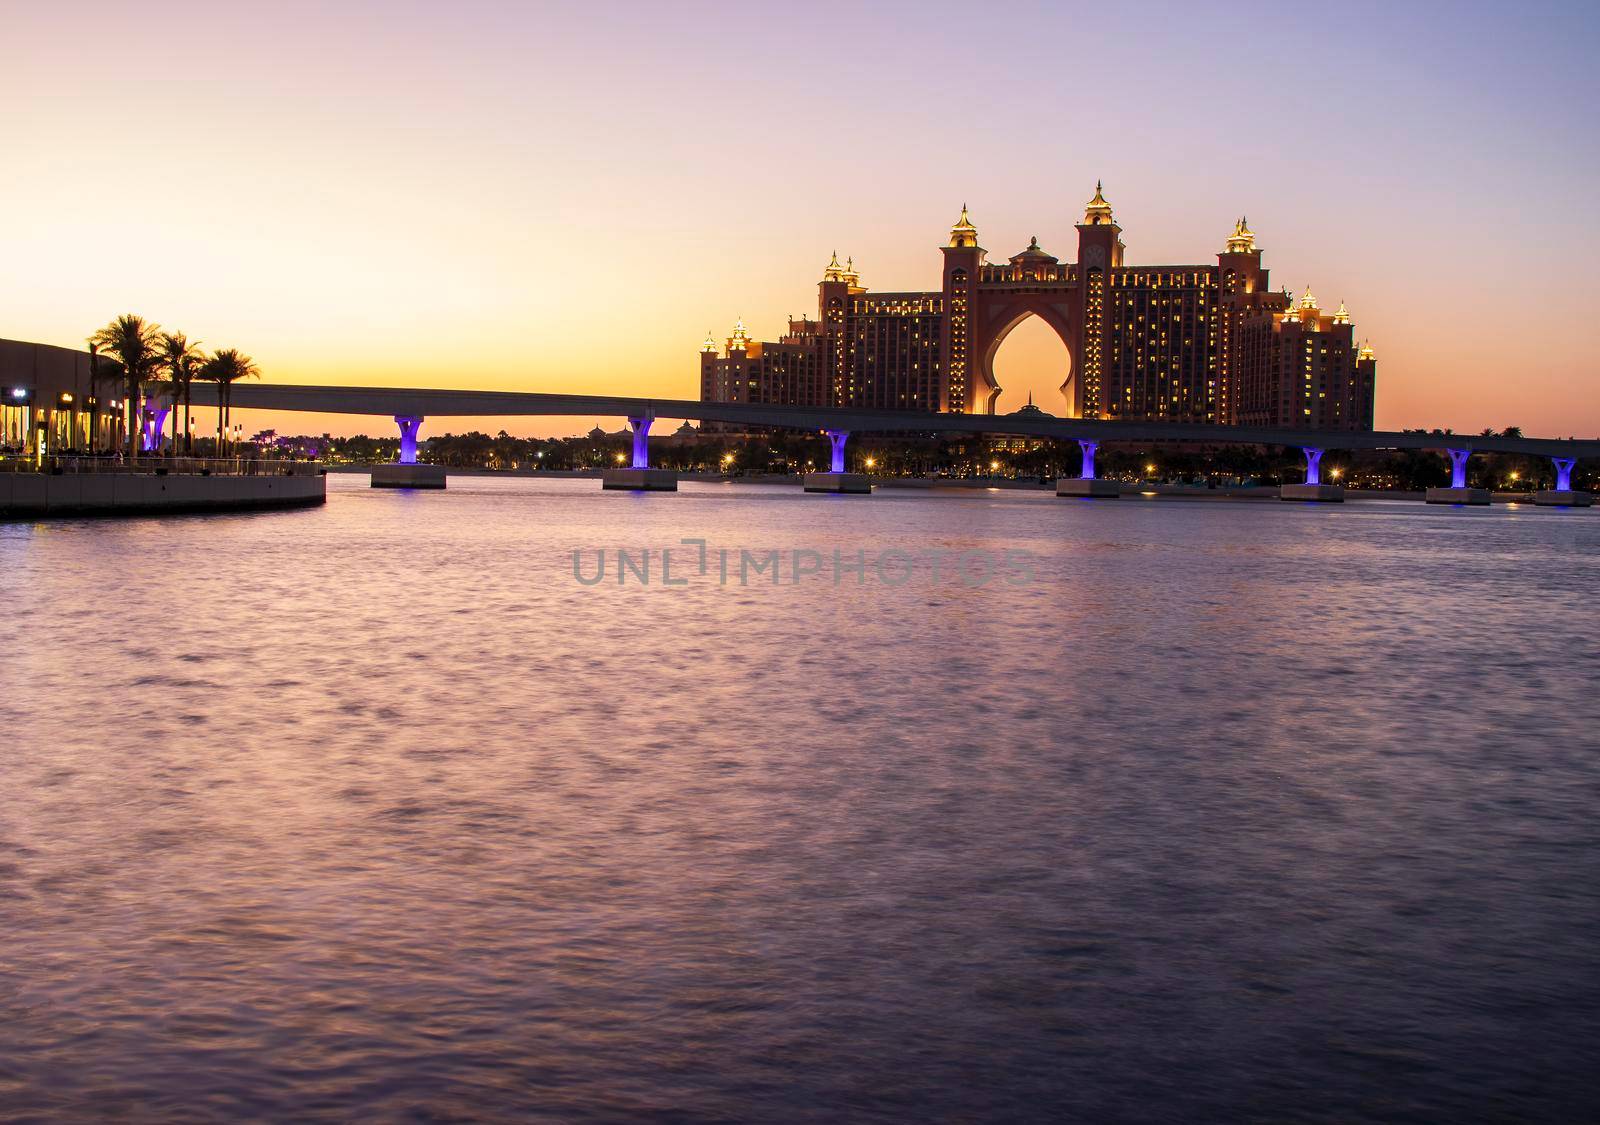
[136, 344]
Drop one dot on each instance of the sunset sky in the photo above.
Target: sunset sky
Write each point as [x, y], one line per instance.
[565, 197]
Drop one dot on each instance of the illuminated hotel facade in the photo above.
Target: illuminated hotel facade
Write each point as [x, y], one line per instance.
[1204, 343]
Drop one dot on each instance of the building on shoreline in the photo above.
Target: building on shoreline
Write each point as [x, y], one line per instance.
[51, 400]
[1208, 343]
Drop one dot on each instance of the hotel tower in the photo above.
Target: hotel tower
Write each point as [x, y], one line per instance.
[1199, 343]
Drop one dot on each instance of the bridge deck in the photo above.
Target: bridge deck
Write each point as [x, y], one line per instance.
[396, 401]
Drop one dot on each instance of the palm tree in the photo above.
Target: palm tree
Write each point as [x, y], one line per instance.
[134, 341]
[104, 372]
[224, 369]
[182, 361]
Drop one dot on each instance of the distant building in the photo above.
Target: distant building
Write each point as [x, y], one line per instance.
[1181, 343]
[792, 371]
[1301, 367]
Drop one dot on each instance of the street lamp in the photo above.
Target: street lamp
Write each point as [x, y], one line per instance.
[870, 462]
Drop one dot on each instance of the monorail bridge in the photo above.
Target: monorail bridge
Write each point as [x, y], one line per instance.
[410, 407]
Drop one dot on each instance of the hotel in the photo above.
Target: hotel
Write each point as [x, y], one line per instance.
[1208, 343]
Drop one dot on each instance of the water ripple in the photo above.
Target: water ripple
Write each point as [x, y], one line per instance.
[1238, 812]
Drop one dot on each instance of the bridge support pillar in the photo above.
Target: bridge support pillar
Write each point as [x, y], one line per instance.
[640, 477]
[409, 425]
[1458, 492]
[836, 439]
[1313, 465]
[836, 479]
[1563, 495]
[1313, 489]
[1085, 483]
[1564, 467]
[641, 441]
[406, 473]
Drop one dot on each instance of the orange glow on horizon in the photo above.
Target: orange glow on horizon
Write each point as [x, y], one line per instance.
[414, 201]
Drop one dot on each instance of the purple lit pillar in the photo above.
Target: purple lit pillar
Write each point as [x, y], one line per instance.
[1313, 465]
[409, 425]
[838, 438]
[1564, 472]
[154, 420]
[1458, 467]
[1090, 448]
[641, 441]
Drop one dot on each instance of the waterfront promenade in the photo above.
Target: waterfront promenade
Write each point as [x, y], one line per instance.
[90, 486]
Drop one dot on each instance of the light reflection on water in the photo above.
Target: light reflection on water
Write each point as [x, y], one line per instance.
[1244, 811]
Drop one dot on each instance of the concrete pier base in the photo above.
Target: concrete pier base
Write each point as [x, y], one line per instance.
[1478, 496]
[838, 482]
[1315, 493]
[640, 480]
[408, 476]
[1078, 486]
[1563, 498]
[32, 495]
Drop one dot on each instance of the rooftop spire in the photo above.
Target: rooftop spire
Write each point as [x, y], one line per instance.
[710, 346]
[1342, 316]
[832, 273]
[850, 276]
[1308, 301]
[964, 233]
[1098, 212]
[1241, 241]
[1291, 315]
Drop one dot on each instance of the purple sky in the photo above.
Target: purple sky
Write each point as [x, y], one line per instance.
[565, 197]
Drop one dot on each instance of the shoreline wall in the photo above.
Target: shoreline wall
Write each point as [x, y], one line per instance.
[27, 495]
